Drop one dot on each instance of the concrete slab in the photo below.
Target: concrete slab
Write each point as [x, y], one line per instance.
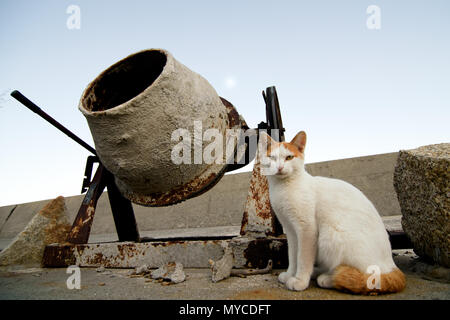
[165, 234]
[373, 175]
[38, 283]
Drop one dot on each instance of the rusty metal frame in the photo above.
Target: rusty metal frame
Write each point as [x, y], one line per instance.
[191, 253]
[121, 208]
[248, 252]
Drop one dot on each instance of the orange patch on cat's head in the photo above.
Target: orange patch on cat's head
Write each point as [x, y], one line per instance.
[296, 146]
[294, 149]
[272, 145]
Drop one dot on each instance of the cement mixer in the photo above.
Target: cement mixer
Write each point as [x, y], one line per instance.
[132, 109]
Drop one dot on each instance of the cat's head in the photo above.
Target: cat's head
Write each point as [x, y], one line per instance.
[283, 159]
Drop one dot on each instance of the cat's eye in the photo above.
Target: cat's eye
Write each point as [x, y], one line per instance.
[290, 157]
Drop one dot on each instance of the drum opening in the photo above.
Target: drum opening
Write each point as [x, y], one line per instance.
[124, 80]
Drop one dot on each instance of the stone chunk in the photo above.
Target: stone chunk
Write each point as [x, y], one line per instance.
[172, 271]
[140, 270]
[221, 269]
[50, 225]
[422, 183]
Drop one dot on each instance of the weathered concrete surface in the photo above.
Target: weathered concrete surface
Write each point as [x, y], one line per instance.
[221, 268]
[171, 271]
[116, 284]
[422, 183]
[373, 175]
[194, 254]
[224, 204]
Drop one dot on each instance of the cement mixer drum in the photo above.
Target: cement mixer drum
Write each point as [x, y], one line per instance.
[132, 109]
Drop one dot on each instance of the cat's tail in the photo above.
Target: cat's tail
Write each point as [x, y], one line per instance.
[348, 278]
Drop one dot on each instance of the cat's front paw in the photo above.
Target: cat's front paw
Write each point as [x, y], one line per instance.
[284, 276]
[297, 284]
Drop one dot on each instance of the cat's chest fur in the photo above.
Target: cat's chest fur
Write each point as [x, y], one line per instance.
[291, 198]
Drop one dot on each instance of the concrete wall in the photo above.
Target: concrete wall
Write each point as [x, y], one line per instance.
[223, 205]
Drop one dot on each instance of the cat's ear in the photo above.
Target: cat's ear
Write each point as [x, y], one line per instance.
[265, 141]
[264, 134]
[266, 137]
[300, 141]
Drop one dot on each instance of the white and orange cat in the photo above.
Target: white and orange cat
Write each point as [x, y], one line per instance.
[328, 223]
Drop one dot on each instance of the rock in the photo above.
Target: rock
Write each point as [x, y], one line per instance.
[50, 225]
[422, 183]
[410, 262]
[221, 269]
[100, 269]
[141, 270]
[172, 271]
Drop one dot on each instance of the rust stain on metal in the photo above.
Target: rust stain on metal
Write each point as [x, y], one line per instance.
[90, 211]
[117, 255]
[98, 259]
[123, 252]
[233, 116]
[58, 256]
[258, 214]
[82, 225]
[244, 222]
[259, 188]
[178, 194]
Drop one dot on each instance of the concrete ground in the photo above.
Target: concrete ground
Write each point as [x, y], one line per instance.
[423, 282]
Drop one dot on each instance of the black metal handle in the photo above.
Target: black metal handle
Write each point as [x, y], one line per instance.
[30, 105]
[273, 114]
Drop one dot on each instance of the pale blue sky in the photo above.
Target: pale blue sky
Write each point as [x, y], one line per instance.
[355, 91]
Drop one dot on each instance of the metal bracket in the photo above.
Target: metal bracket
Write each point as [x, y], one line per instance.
[259, 219]
[88, 172]
[121, 207]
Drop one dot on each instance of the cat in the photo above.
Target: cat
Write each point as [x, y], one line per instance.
[328, 223]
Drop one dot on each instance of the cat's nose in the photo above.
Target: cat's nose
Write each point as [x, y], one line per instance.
[280, 169]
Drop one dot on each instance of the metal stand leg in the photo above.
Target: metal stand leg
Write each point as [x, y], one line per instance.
[122, 211]
[81, 227]
[121, 208]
